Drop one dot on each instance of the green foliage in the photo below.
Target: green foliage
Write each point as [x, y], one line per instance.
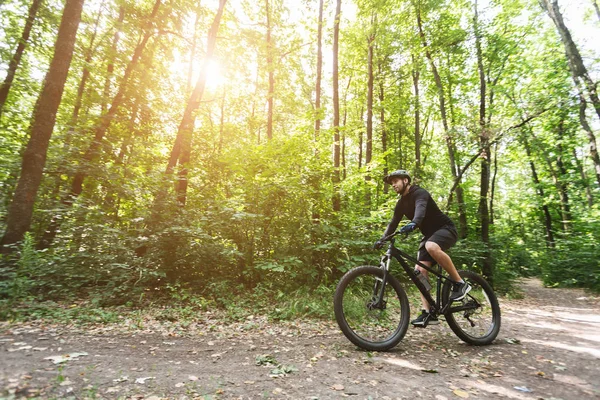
[575, 261]
[257, 232]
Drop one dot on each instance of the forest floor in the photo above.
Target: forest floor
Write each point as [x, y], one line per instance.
[548, 348]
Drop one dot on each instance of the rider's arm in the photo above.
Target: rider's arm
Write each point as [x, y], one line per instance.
[398, 214]
[421, 198]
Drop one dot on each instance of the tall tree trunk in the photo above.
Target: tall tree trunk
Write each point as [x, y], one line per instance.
[384, 134]
[20, 211]
[319, 71]
[222, 122]
[110, 68]
[595, 3]
[493, 184]
[415, 76]
[590, 134]
[112, 198]
[561, 179]
[186, 127]
[16, 59]
[45, 240]
[578, 71]
[360, 140]
[187, 137]
[85, 75]
[193, 49]
[462, 214]
[536, 180]
[336, 109]
[271, 70]
[370, 91]
[106, 119]
[93, 150]
[316, 178]
[484, 140]
[584, 179]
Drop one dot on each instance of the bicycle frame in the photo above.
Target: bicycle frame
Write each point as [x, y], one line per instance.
[403, 258]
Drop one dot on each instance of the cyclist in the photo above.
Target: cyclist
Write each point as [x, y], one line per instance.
[438, 229]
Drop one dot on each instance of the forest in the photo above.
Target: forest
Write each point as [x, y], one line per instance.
[235, 149]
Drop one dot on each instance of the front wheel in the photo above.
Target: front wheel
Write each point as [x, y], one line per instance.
[366, 322]
[476, 318]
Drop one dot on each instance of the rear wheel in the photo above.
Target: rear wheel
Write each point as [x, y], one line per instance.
[476, 318]
[371, 326]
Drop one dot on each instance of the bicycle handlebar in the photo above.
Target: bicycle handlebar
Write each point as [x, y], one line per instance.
[392, 235]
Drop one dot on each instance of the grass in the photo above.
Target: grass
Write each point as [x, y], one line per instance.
[238, 307]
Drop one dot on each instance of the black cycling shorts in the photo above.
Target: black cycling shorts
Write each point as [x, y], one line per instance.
[445, 237]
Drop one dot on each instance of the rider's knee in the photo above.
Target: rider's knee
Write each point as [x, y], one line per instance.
[432, 247]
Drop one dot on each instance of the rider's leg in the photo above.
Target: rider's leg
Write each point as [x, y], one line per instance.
[443, 259]
[424, 272]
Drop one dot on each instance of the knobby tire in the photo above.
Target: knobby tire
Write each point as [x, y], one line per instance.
[483, 323]
[351, 299]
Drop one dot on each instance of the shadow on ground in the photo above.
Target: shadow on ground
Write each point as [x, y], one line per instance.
[548, 348]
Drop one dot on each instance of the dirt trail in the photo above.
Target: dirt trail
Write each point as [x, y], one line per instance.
[548, 348]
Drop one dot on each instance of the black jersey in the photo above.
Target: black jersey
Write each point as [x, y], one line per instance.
[418, 206]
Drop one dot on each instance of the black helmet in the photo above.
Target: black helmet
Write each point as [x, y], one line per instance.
[400, 173]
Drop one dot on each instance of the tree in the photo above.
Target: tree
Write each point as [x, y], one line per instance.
[319, 71]
[370, 91]
[42, 125]
[547, 218]
[581, 77]
[336, 108]
[484, 141]
[182, 147]
[94, 149]
[271, 72]
[16, 59]
[416, 74]
[448, 135]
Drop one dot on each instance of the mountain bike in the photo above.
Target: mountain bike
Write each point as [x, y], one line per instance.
[372, 309]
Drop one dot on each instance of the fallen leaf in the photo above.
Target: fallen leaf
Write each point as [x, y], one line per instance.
[522, 389]
[192, 378]
[180, 384]
[338, 387]
[143, 380]
[66, 357]
[461, 393]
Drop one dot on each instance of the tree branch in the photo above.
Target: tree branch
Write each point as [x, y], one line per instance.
[490, 144]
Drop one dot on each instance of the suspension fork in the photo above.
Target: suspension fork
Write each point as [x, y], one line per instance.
[385, 266]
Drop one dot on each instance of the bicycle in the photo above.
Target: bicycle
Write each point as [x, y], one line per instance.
[372, 309]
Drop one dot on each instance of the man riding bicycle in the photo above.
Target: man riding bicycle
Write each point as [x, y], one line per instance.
[439, 235]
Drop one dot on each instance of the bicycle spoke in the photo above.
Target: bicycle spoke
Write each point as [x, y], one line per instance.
[368, 320]
[476, 318]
